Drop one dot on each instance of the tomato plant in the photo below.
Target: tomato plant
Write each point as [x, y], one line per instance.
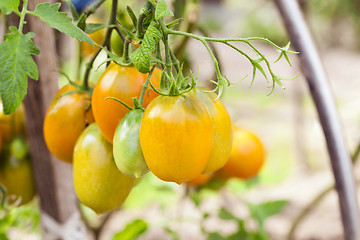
[222, 131]
[97, 181]
[122, 83]
[127, 150]
[247, 155]
[66, 118]
[176, 137]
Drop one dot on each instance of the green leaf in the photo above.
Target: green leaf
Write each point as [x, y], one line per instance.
[173, 234]
[162, 10]
[60, 21]
[260, 212]
[216, 236]
[15, 68]
[93, 27]
[9, 6]
[141, 57]
[132, 230]
[226, 215]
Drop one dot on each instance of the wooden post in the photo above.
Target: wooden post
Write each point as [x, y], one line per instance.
[53, 178]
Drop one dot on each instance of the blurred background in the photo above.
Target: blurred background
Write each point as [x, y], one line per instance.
[297, 167]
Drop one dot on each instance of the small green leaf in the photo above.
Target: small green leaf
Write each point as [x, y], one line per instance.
[82, 22]
[17, 65]
[141, 57]
[132, 230]
[132, 15]
[60, 21]
[9, 6]
[162, 10]
[260, 212]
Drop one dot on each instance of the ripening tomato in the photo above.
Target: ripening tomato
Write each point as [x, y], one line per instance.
[12, 125]
[222, 139]
[98, 37]
[16, 172]
[176, 137]
[122, 83]
[97, 181]
[127, 150]
[247, 155]
[66, 118]
[200, 180]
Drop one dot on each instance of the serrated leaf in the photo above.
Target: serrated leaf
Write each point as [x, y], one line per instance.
[162, 10]
[141, 57]
[15, 68]
[9, 6]
[60, 21]
[132, 230]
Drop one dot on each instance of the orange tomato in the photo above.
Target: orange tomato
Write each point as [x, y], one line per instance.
[13, 124]
[98, 37]
[247, 155]
[66, 118]
[200, 180]
[122, 83]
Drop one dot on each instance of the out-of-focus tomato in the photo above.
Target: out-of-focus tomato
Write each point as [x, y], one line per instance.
[200, 180]
[127, 150]
[12, 125]
[97, 181]
[176, 137]
[247, 155]
[98, 37]
[122, 83]
[66, 118]
[222, 138]
[16, 172]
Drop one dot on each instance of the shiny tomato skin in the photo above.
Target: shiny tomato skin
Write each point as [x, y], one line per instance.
[66, 118]
[176, 137]
[247, 155]
[127, 151]
[222, 137]
[122, 83]
[97, 181]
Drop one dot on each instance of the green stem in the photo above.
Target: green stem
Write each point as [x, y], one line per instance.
[94, 7]
[22, 15]
[126, 56]
[145, 86]
[106, 43]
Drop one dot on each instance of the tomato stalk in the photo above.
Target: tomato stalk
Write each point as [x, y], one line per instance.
[145, 86]
[106, 43]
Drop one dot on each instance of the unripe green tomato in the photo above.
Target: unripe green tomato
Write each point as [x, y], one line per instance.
[116, 44]
[127, 151]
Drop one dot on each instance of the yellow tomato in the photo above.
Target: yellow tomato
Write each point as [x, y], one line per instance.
[200, 180]
[176, 137]
[97, 181]
[222, 131]
[13, 124]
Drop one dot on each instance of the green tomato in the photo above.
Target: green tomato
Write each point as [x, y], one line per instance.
[127, 151]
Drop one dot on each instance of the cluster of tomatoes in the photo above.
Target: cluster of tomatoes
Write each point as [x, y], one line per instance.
[178, 138]
[15, 168]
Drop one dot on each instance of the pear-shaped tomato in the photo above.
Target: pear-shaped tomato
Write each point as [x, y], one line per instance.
[16, 172]
[222, 130]
[66, 118]
[176, 137]
[127, 150]
[98, 182]
[122, 83]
